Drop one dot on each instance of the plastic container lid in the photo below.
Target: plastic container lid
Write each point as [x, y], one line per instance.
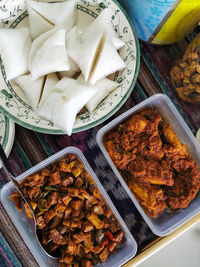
[25, 226]
[169, 220]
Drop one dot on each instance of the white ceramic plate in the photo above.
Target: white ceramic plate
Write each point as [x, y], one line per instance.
[7, 133]
[14, 103]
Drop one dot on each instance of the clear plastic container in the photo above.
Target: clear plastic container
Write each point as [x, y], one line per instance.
[25, 226]
[168, 221]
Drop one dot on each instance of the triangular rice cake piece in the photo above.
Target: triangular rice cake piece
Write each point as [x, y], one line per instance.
[62, 108]
[103, 23]
[51, 56]
[84, 49]
[49, 86]
[15, 47]
[36, 44]
[37, 24]
[109, 61]
[32, 89]
[58, 13]
[49, 106]
[74, 68]
[117, 42]
[103, 89]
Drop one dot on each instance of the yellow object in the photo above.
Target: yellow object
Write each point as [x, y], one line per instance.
[183, 20]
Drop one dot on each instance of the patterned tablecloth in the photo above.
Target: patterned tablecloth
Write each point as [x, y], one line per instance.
[31, 147]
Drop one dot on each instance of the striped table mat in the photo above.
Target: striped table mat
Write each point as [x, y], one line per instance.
[31, 147]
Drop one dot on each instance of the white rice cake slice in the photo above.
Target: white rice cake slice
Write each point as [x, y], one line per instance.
[51, 103]
[103, 89]
[36, 44]
[15, 46]
[49, 86]
[62, 106]
[84, 50]
[57, 13]
[74, 68]
[83, 23]
[51, 56]
[37, 24]
[117, 42]
[103, 23]
[108, 62]
[32, 89]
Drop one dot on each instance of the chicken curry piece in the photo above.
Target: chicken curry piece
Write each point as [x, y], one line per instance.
[75, 221]
[155, 165]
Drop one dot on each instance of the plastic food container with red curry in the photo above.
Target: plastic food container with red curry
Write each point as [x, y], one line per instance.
[156, 158]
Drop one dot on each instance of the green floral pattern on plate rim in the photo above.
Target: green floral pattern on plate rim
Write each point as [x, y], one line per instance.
[4, 130]
[14, 104]
[7, 133]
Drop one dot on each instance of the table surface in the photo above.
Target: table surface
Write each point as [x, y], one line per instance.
[30, 147]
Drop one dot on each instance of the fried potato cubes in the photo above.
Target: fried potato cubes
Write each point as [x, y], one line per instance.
[75, 221]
